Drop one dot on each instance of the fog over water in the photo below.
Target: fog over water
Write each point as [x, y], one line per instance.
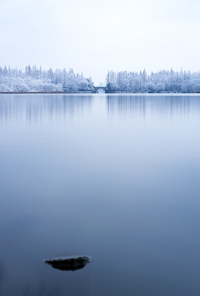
[111, 177]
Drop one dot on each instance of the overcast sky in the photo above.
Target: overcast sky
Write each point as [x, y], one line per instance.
[95, 36]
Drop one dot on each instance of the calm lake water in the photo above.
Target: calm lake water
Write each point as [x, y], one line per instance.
[113, 177]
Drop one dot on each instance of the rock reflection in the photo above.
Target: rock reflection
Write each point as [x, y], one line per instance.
[2, 275]
[27, 290]
[40, 290]
[72, 264]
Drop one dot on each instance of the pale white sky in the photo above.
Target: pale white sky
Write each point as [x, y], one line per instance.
[94, 36]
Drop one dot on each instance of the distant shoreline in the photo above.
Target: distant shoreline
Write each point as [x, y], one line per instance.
[93, 93]
[35, 93]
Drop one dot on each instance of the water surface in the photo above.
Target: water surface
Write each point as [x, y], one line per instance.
[112, 177]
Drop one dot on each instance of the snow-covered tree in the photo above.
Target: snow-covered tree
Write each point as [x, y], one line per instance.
[161, 81]
[38, 80]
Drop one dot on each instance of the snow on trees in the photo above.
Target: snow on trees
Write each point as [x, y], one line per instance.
[38, 80]
[161, 81]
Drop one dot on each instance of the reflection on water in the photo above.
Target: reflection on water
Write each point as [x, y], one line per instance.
[16, 230]
[53, 105]
[36, 106]
[119, 182]
[162, 105]
[2, 274]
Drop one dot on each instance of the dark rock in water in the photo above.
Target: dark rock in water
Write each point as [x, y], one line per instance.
[73, 263]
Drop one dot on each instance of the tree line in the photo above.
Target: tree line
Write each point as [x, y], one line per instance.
[158, 82]
[38, 80]
[33, 79]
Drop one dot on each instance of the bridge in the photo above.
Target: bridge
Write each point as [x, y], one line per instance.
[99, 89]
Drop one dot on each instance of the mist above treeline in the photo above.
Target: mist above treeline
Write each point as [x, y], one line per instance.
[33, 79]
